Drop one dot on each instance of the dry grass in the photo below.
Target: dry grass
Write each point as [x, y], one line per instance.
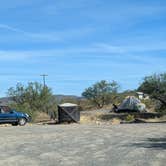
[41, 117]
[86, 119]
[105, 117]
[5, 125]
[96, 119]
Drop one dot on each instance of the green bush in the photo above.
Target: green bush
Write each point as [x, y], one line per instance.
[25, 108]
[32, 99]
[155, 87]
[129, 118]
[101, 93]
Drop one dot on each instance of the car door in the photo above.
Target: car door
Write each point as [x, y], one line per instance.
[1, 117]
[7, 116]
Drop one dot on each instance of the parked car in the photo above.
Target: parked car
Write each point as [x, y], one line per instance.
[13, 117]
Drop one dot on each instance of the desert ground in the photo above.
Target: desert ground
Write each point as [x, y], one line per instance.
[84, 145]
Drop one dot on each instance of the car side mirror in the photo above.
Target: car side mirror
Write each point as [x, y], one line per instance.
[11, 112]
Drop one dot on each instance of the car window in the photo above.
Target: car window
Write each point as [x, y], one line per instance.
[2, 111]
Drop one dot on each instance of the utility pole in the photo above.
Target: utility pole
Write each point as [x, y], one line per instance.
[44, 79]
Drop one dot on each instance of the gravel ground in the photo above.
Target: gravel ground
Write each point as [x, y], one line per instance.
[84, 145]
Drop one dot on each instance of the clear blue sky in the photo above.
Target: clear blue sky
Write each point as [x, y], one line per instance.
[79, 42]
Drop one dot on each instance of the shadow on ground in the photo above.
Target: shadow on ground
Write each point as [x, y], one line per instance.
[154, 143]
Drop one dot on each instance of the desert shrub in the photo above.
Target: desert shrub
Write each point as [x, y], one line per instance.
[129, 118]
[101, 93]
[33, 98]
[86, 105]
[155, 87]
[25, 108]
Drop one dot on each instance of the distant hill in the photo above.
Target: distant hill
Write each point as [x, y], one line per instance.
[59, 98]
[5, 100]
[62, 97]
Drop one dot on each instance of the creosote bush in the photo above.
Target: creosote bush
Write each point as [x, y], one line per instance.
[129, 118]
[33, 98]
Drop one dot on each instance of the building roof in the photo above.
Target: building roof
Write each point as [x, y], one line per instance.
[140, 93]
[68, 105]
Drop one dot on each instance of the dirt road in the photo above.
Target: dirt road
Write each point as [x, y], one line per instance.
[84, 145]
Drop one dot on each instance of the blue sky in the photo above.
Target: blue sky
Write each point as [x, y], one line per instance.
[79, 42]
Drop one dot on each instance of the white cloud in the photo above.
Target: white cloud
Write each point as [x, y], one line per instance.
[51, 36]
[4, 26]
[97, 50]
[140, 47]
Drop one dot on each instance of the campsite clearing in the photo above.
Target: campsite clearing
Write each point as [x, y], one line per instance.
[84, 145]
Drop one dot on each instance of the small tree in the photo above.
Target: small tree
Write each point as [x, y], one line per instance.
[33, 98]
[101, 93]
[155, 86]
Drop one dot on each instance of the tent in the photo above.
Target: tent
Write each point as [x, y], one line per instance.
[68, 112]
[131, 104]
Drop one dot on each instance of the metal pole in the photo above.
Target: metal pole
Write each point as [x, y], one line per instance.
[44, 79]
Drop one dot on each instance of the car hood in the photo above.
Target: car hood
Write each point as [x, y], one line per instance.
[20, 113]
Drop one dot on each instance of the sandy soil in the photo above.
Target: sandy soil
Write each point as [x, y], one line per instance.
[84, 145]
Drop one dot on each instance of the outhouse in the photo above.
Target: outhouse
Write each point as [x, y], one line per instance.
[68, 112]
